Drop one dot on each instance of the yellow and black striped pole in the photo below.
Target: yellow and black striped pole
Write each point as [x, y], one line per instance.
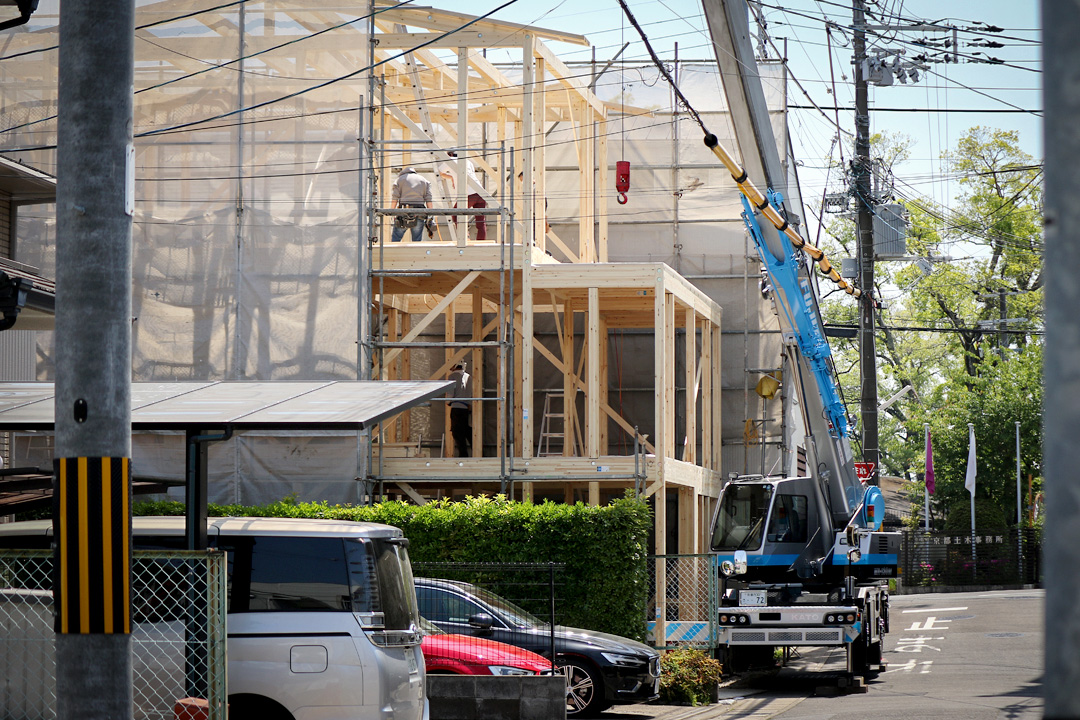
[93, 551]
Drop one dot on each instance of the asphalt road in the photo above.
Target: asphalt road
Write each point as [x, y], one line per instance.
[955, 656]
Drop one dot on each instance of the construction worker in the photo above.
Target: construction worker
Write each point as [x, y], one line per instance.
[448, 170]
[411, 190]
[460, 428]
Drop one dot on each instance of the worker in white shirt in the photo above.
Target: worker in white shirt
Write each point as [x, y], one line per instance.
[411, 190]
[448, 170]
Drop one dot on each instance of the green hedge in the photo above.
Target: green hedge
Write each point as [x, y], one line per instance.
[605, 582]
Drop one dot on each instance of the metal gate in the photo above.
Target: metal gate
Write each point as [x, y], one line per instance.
[689, 609]
[178, 606]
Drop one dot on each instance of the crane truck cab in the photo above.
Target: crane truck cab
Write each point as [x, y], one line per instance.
[793, 574]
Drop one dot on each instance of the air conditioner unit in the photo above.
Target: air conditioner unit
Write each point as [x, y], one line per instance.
[890, 232]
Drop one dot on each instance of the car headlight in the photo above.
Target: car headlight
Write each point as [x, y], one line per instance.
[622, 660]
[508, 670]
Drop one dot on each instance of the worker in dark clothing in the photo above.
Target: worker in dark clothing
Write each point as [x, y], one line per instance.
[460, 428]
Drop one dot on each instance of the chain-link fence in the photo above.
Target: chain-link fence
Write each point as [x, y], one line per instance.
[688, 603]
[989, 557]
[178, 605]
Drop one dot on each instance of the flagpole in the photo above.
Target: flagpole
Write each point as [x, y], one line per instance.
[926, 486]
[1019, 517]
[970, 482]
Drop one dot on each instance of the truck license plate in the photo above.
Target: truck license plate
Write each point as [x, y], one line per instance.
[753, 598]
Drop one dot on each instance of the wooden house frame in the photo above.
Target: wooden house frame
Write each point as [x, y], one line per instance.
[482, 302]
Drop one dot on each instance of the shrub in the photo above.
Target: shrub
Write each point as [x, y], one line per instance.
[688, 676]
[605, 583]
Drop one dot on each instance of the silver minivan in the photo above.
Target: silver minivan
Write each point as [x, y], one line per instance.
[322, 619]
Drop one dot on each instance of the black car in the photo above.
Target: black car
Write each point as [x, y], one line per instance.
[602, 669]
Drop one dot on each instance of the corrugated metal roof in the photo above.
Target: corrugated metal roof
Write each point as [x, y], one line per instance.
[241, 405]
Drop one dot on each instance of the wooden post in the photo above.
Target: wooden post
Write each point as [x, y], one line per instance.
[569, 386]
[690, 420]
[706, 395]
[449, 335]
[477, 372]
[461, 193]
[592, 396]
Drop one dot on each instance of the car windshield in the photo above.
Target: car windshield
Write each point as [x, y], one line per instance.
[741, 517]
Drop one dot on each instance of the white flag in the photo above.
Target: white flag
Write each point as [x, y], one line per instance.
[969, 480]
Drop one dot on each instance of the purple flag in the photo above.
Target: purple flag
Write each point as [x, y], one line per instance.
[929, 465]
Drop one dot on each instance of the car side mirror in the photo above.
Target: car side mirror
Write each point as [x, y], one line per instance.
[481, 621]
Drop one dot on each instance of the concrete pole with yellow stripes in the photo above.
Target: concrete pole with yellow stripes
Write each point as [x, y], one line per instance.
[92, 515]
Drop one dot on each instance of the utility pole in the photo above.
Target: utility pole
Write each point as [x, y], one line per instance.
[91, 486]
[865, 225]
[1061, 411]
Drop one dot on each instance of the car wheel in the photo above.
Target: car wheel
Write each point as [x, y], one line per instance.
[584, 689]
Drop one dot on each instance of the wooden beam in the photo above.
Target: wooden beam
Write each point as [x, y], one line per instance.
[450, 21]
[411, 492]
[570, 79]
[569, 386]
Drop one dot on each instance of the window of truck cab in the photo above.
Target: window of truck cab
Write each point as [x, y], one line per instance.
[741, 518]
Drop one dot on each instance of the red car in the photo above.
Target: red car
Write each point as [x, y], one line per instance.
[447, 654]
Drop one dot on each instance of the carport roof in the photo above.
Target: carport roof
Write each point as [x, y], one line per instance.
[328, 405]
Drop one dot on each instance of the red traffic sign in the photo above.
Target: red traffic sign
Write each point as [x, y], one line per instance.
[864, 470]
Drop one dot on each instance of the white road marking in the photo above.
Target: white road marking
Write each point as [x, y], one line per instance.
[931, 623]
[934, 610]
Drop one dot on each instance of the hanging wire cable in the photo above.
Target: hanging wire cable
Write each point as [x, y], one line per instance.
[755, 196]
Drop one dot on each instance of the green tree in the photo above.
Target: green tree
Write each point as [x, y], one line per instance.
[956, 374]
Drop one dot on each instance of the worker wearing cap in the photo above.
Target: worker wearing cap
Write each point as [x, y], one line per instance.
[411, 190]
[460, 428]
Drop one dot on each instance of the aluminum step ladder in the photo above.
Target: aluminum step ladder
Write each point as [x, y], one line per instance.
[543, 446]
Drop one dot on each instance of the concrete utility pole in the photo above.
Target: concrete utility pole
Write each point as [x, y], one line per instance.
[865, 226]
[1061, 544]
[92, 513]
